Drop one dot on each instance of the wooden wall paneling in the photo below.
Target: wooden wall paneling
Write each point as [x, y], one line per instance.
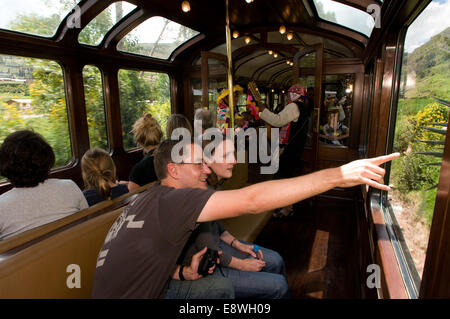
[124, 160]
[363, 245]
[365, 111]
[112, 108]
[385, 100]
[205, 85]
[77, 119]
[375, 109]
[357, 111]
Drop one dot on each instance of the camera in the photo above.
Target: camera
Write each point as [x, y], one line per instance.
[208, 260]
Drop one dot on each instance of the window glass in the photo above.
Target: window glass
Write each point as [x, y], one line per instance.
[421, 125]
[37, 17]
[336, 109]
[142, 92]
[95, 107]
[95, 31]
[157, 37]
[32, 96]
[345, 15]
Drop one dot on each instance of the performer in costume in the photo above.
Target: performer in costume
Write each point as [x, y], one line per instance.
[223, 111]
[296, 114]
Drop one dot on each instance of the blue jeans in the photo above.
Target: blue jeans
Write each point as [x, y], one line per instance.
[269, 283]
[210, 287]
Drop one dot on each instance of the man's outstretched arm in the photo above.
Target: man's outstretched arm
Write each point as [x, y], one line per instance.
[273, 194]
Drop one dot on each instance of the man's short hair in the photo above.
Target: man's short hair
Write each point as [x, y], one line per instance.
[163, 155]
[26, 158]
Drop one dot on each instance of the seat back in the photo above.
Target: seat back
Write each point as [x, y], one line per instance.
[47, 229]
[59, 266]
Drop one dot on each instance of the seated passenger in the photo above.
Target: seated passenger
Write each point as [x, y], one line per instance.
[178, 121]
[147, 134]
[25, 160]
[254, 272]
[142, 247]
[99, 176]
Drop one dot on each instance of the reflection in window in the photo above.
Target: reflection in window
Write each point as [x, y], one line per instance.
[142, 92]
[95, 31]
[95, 107]
[32, 96]
[336, 112]
[157, 37]
[37, 17]
[345, 15]
[421, 125]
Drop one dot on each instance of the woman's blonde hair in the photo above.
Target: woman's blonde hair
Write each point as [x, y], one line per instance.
[177, 121]
[146, 131]
[98, 170]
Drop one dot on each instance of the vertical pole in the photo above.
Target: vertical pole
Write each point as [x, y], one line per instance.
[230, 68]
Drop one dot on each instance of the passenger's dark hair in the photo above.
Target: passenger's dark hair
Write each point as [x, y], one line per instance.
[177, 121]
[163, 156]
[26, 158]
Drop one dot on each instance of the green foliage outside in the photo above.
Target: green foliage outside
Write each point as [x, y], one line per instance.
[428, 68]
[139, 92]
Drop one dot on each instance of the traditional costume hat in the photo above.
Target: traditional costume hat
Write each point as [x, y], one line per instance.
[297, 88]
[225, 93]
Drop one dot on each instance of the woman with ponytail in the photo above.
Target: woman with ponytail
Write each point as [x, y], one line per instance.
[99, 176]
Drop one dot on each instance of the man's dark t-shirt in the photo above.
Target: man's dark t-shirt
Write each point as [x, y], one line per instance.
[142, 247]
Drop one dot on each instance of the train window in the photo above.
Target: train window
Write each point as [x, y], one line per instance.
[36, 17]
[421, 125]
[142, 92]
[95, 107]
[345, 15]
[157, 37]
[32, 96]
[95, 31]
[336, 110]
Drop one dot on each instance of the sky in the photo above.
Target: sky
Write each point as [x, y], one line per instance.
[433, 20]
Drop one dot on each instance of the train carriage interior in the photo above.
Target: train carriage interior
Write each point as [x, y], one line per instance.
[378, 72]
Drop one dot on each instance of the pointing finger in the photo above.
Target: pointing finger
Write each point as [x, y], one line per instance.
[383, 159]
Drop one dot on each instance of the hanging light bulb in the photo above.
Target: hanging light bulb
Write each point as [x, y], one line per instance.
[249, 1]
[288, 62]
[290, 36]
[270, 52]
[349, 89]
[273, 90]
[185, 6]
[282, 29]
[275, 55]
[247, 40]
[236, 34]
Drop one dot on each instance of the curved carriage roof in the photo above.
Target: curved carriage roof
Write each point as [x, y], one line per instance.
[159, 29]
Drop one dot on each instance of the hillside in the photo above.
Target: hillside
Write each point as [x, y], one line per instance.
[428, 68]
